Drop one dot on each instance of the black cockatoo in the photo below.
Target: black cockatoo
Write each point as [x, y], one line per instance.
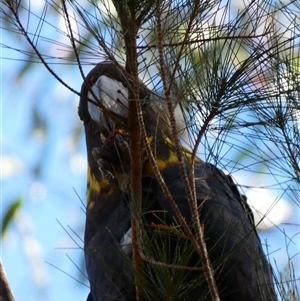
[242, 272]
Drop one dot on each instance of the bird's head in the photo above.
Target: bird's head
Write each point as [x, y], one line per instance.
[105, 104]
[104, 110]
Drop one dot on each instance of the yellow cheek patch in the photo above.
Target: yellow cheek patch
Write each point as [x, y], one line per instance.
[172, 159]
[97, 190]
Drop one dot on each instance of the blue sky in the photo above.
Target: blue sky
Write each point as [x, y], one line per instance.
[48, 194]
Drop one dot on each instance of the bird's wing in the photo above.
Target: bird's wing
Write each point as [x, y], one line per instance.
[242, 271]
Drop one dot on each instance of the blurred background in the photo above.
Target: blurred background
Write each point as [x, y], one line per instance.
[43, 163]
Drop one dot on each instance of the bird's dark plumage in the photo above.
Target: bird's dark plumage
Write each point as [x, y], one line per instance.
[241, 269]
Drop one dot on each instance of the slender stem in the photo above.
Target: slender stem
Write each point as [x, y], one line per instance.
[191, 195]
[5, 291]
[129, 27]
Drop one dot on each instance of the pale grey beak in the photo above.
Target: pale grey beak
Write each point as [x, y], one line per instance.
[112, 95]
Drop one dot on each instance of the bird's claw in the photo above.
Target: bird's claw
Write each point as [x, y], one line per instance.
[122, 143]
[113, 157]
[104, 160]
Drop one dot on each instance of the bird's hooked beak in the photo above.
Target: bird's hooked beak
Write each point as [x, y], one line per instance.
[107, 87]
[111, 114]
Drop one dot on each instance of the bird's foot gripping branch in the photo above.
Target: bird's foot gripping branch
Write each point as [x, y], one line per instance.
[113, 158]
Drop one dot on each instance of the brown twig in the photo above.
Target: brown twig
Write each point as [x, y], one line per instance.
[129, 27]
[191, 195]
[203, 40]
[5, 291]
